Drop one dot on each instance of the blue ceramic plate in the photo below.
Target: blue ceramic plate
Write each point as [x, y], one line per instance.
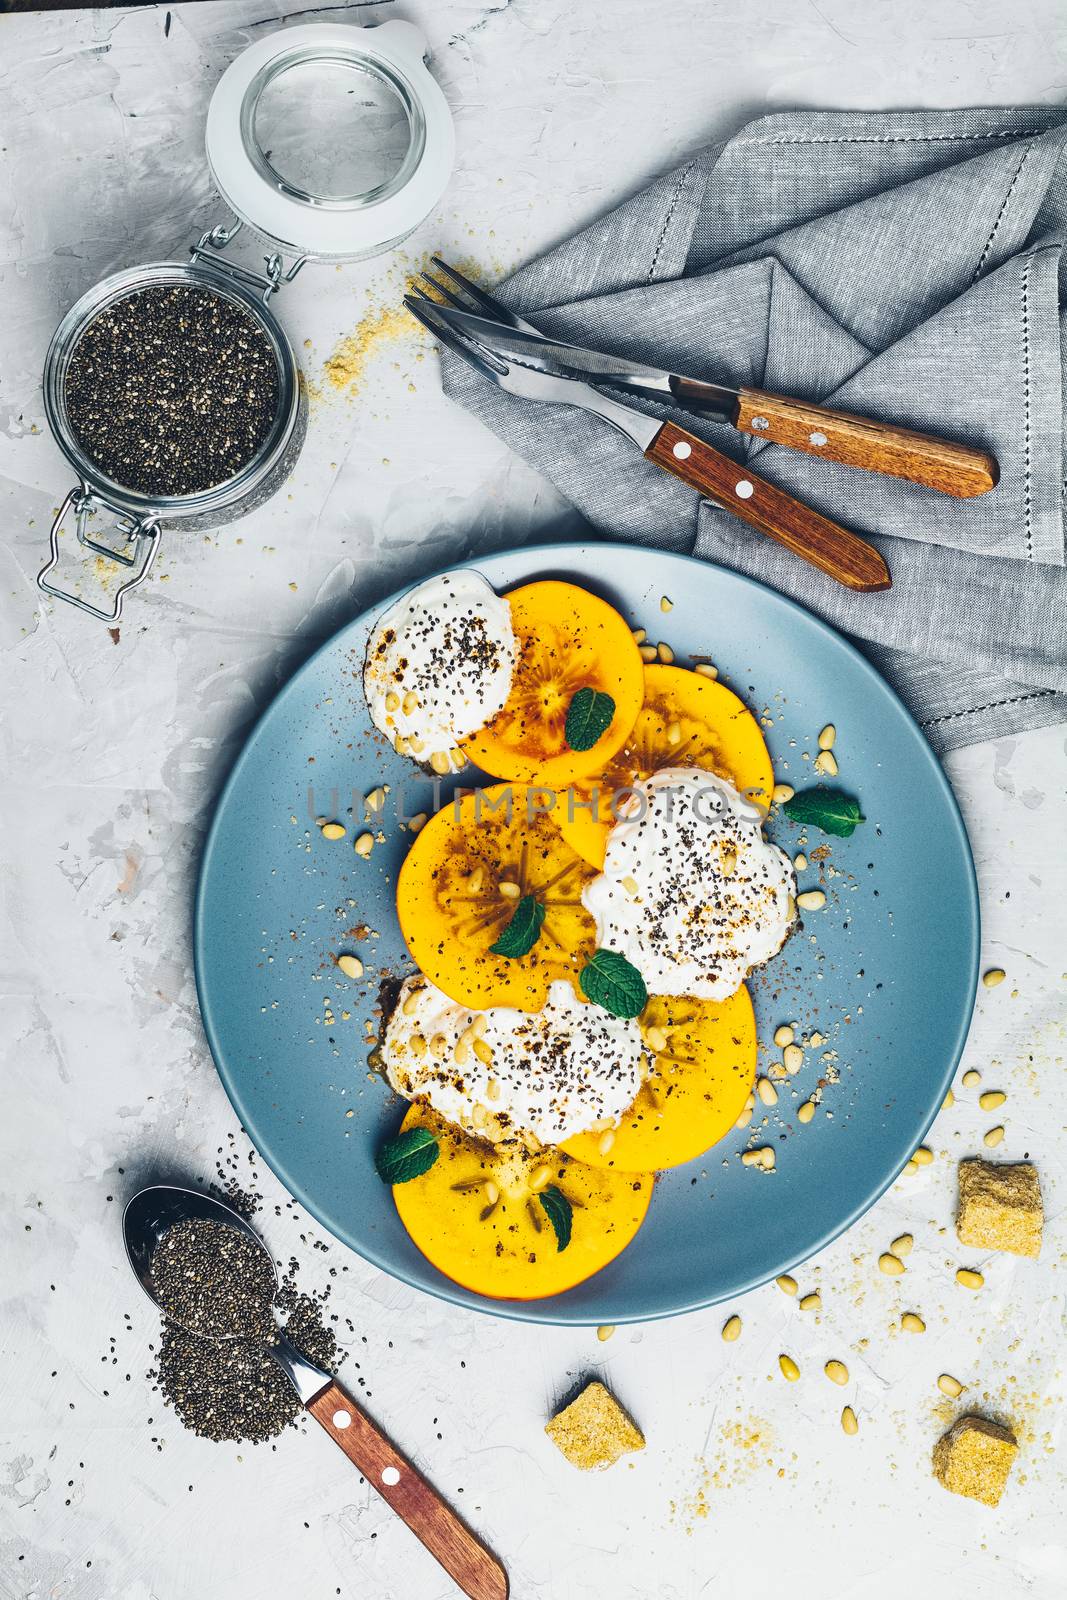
[886, 972]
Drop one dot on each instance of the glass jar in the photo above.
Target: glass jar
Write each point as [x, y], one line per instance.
[287, 156]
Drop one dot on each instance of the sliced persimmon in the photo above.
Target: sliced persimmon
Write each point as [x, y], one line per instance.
[686, 721]
[498, 1240]
[703, 1063]
[462, 882]
[567, 639]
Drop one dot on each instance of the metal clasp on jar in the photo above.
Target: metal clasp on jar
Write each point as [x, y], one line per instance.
[142, 533]
[210, 244]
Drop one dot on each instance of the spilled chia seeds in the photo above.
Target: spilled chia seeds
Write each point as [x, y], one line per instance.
[221, 1381]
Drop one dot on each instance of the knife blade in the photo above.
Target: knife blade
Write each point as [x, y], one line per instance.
[960, 470]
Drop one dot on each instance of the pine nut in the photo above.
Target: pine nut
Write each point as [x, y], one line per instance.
[479, 1115]
[375, 800]
[461, 1052]
[392, 701]
[992, 1100]
[630, 884]
[459, 758]
[782, 792]
[811, 1302]
[438, 1046]
[539, 1177]
[352, 967]
[419, 820]
[800, 862]
[969, 1278]
[837, 1372]
[605, 1331]
[910, 1167]
[848, 1421]
[827, 737]
[415, 745]
[923, 1156]
[665, 604]
[950, 1386]
[744, 1119]
[706, 670]
[806, 1111]
[731, 1329]
[949, 1100]
[333, 830]
[902, 1246]
[476, 881]
[994, 976]
[409, 703]
[492, 1089]
[417, 1045]
[605, 1142]
[440, 763]
[972, 1079]
[911, 1322]
[665, 654]
[787, 1284]
[993, 1137]
[647, 652]
[400, 745]
[751, 1158]
[491, 1192]
[766, 1156]
[790, 1370]
[792, 1058]
[509, 890]
[364, 845]
[825, 764]
[639, 634]
[766, 1091]
[890, 1264]
[783, 1035]
[674, 733]
[811, 900]
[483, 1052]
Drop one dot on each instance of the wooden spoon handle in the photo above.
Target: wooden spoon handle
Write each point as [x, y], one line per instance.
[466, 1560]
[954, 469]
[835, 551]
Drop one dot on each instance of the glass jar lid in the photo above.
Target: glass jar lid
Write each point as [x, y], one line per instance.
[331, 141]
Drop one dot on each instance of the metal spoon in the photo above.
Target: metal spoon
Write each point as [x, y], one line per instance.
[147, 1217]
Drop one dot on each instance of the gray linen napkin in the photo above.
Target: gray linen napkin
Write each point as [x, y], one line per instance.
[906, 266]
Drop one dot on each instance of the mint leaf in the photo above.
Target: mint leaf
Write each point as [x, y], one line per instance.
[829, 810]
[588, 716]
[407, 1156]
[522, 931]
[609, 980]
[558, 1211]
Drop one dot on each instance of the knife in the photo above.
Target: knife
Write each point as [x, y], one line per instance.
[954, 469]
[842, 555]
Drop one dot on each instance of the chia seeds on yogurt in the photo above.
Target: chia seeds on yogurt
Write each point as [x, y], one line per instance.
[172, 390]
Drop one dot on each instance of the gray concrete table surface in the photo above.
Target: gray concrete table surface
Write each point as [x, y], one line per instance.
[113, 751]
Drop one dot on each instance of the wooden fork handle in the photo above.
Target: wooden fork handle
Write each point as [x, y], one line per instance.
[835, 551]
[466, 1560]
[941, 464]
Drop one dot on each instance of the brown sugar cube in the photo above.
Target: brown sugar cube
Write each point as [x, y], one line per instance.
[594, 1430]
[974, 1458]
[1000, 1207]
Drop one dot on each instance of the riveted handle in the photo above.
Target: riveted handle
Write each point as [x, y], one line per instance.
[955, 469]
[466, 1560]
[842, 555]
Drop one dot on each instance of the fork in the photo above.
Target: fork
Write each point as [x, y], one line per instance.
[834, 550]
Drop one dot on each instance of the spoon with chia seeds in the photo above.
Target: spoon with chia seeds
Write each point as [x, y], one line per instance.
[209, 1271]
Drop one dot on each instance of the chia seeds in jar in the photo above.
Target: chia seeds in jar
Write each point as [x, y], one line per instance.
[172, 390]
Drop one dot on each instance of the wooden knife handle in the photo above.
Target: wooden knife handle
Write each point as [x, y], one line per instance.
[466, 1560]
[954, 469]
[835, 551]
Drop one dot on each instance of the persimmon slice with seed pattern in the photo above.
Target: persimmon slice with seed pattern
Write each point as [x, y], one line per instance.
[463, 878]
[498, 1240]
[568, 639]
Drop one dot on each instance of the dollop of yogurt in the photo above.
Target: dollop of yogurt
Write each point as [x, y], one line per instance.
[691, 892]
[553, 1073]
[439, 664]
